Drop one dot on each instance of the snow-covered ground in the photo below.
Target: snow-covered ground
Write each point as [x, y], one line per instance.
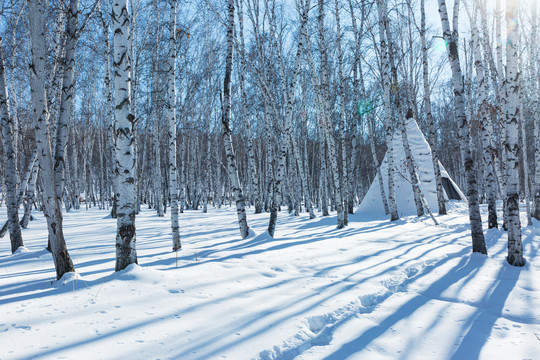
[374, 290]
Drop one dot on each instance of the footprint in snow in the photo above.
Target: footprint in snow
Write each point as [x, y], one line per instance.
[23, 327]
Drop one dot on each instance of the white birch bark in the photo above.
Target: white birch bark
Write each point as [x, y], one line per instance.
[451, 39]
[29, 196]
[125, 172]
[536, 114]
[344, 188]
[429, 116]
[51, 204]
[10, 160]
[171, 108]
[254, 183]
[392, 206]
[483, 116]
[526, 165]
[66, 101]
[155, 115]
[226, 124]
[515, 247]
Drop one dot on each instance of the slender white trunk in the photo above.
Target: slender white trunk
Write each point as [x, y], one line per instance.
[51, 204]
[227, 133]
[526, 165]
[66, 103]
[451, 39]
[536, 113]
[429, 116]
[484, 120]
[10, 160]
[171, 111]
[392, 206]
[125, 171]
[29, 197]
[515, 247]
[344, 170]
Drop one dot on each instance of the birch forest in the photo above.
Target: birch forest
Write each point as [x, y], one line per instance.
[269, 179]
[265, 106]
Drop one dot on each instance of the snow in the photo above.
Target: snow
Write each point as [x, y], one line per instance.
[421, 153]
[374, 290]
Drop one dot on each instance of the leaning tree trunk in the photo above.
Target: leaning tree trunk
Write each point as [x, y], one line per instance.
[173, 177]
[515, 247]
[29, 198]
[227, 134]
[10, 166]
[66, 101]
[451, 39]
[429, 116]
[51, 204]
[125, 172]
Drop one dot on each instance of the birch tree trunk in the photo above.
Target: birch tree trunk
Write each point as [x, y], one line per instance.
[484, 120]
[515, 247]
[155, 115]
[429, 116]
[387, 115]
[171, 81]
[29, 197]
[125, 172]
[526, 164]
[51, 204]
[344, 176]
[66, 103]
[537, 162]
[451, 39]
[536, 115]
[254, 184]
[227, 134]
[10, 160]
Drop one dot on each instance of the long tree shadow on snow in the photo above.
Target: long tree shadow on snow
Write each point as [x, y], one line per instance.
[482, 321]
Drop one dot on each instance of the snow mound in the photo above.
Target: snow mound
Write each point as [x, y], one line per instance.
[68, 278]
[138, 274]
[21, 250]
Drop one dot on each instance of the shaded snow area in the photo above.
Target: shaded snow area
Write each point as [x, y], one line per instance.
[374, 290]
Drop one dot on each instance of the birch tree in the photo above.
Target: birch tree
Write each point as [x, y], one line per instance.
[10, 165]
[125, 170]
[451, 38]
[515, 247]
[51, 204]
[171, 108]
[392, 206]
[226, 124]
[429, 115]
[484, 120]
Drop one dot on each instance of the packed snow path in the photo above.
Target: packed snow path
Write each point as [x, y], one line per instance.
[374, 290]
